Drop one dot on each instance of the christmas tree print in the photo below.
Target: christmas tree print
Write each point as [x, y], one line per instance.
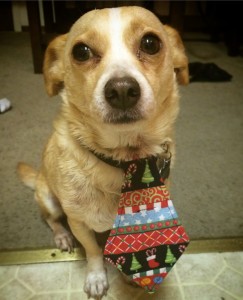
[135, 264]
[170, 258]
[147, 176]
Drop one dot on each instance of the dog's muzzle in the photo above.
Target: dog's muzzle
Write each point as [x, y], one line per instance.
[122, 93]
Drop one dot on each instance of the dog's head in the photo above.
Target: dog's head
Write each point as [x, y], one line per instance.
[117, 66]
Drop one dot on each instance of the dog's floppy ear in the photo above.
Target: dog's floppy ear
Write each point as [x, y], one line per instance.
[180, 60]
[53, 65]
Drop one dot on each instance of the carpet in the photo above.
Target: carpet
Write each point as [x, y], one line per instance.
[206, 181]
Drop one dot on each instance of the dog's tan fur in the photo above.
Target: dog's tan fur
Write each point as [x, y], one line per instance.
[71, 178]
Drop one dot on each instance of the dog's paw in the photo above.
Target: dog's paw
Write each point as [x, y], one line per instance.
[96, 284]
[64, 241]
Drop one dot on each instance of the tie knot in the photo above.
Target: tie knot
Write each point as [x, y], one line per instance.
[141, 174]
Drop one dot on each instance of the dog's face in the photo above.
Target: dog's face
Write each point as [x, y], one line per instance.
[117, 66]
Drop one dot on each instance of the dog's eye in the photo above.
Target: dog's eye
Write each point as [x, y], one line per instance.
[81, 52]
[150, 44]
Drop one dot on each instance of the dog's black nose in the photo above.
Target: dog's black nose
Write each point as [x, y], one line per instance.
[122, 93]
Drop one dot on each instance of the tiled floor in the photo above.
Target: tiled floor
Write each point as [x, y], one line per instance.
[211, 276]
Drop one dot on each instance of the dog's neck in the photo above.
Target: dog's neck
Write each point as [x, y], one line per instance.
[128, 145]
[137, 148]
[163, 161]
[120, 144]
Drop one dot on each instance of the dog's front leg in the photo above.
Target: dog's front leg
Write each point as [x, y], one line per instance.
[96, 283]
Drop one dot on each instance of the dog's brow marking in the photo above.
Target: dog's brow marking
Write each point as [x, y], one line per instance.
[116, 32]
[115, 20]
[122, 62]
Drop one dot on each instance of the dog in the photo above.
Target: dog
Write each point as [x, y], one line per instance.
[117, 71]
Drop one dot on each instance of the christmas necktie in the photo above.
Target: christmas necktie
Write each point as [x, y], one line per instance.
[147, 237]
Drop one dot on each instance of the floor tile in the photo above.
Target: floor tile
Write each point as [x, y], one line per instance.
[83, 296]
[165, 293]
[77, 296]
[78, 270]
[51, 296]
[7, 273]
[171, 278]
[199, 268]
[234, 260]
[45, 277]
[231, 281]
[14, 290]
[205, 292]
[213, 276]
[119, 289]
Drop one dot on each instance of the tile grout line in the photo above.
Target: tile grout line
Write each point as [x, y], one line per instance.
[181, 289]
[227, 292]
[6, 283]
[17, 277]
[196, 284]
[219, 273]
[10, 280]
[213, 282]
[52, 292]
[234, 270]
[36, 293]
[69, 290]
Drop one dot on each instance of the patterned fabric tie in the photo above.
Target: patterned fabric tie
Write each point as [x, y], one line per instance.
[147, 237]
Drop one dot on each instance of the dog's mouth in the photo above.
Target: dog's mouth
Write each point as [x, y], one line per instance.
[116, 116]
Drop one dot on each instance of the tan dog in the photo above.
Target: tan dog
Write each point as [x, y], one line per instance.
[117, 72]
